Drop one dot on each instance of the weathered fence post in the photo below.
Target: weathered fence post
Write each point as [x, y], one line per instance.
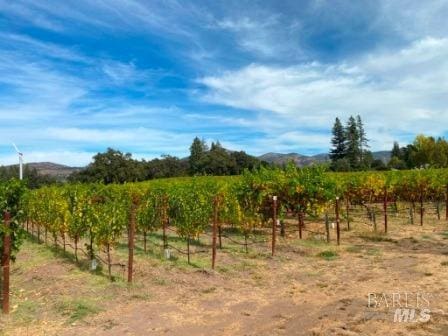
[421, 209]
[131, 240]
[215, 226]
[6, 255]
[385, 210]
[338, 232]
[446, 203]
[282, 228]
[299, 219]
[165, 222]
[374, 219]
[327, 227]
[274, 222]
[347, 212]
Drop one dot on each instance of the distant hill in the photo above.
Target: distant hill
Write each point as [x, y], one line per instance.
[299, 159]
[55, 170]
[61, 172]
[307, 160]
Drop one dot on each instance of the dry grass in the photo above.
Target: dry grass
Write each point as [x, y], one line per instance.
[309, 287]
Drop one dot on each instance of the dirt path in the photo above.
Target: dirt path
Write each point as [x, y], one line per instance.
[297, 292]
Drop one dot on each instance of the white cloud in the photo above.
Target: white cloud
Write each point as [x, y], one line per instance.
[395, 92]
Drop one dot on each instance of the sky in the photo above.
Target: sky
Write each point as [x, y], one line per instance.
[146, 77]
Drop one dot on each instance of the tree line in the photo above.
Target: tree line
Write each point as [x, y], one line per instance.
[349, 150]
[114, 166]
[423, 152]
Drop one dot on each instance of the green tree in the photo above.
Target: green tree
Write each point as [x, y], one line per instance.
[338, 142]
[198, 150]
[218, 161]
[112, 166]
[396, 151]
[244, 161]
[363, 141]
[396, 158]
[167, 166]
[353, 143]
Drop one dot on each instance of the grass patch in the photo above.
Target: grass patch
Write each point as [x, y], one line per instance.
[77, 309]
[140, 296]
[373, 251]
[160, 281]
[354, 249]
[413, 240]
[26, 311]
[328, 255]
[376, 237]
[209, 290]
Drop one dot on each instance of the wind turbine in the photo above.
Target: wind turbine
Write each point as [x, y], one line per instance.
[20, 161]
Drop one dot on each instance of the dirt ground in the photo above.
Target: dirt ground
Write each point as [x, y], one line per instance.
[308, 288]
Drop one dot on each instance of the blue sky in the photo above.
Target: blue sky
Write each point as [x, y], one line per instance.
[146, 77]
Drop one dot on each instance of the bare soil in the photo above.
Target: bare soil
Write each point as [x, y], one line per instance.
[308, 288]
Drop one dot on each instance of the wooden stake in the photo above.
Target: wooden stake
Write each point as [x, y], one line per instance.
[446, 203]
[215, 227]
[385, 210]
[6, 255]
[347, 209]
[274, 222]
[131, 241]
[338, 232]
[327, 227]
[421, 209]
[165, 222]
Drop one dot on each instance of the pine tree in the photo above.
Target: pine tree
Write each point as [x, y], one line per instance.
[338, 142]
[363, 141]
[353, 143]
[197, 151]
[396, 151]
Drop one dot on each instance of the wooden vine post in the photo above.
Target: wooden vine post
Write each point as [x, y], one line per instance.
[300, 221]
[347, 212]
[338, 229]
[327, 227]
[165, 222]
[446, 203]
[274, 222]
[131, 236]
[421, 208]
[214, 229]
[385, 210]
[6, 254]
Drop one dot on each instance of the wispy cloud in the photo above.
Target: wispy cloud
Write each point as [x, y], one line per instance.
[146, 77]
[396, 91]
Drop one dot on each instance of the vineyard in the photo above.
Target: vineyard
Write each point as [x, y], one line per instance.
[199, 216]
[195, 244]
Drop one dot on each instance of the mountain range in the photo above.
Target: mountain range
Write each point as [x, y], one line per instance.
[61, 172]
[306, 160]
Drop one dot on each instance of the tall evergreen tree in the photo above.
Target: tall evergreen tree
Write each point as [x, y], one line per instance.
[353, 143]
[396, 151]
[363, 141]
[198, 150]
[338, 142]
